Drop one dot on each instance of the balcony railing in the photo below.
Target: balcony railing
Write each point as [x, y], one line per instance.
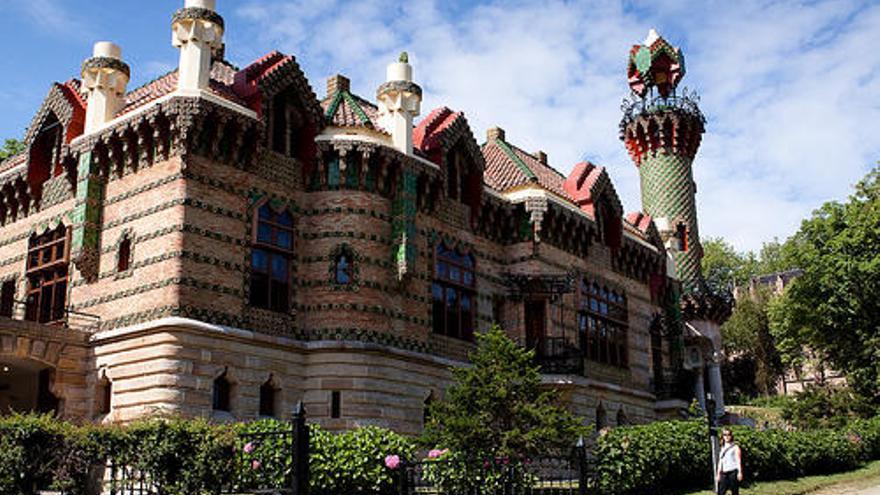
[55, 316]
[559, 356]
[674, 385]
[687, 102]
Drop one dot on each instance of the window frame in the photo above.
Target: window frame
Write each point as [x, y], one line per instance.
[39, 266]
[272, 250]
[603, 324]
[453, 259]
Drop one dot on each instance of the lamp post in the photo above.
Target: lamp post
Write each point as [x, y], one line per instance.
[713, 436]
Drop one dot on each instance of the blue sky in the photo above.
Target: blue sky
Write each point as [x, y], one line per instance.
[791, 90]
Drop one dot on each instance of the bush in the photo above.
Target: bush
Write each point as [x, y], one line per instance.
[673, 455]
[826, 407]
[635, 459]
[40, 452]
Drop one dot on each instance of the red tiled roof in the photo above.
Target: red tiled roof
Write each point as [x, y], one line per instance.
[13, 161]
[221, 84]
[508, 167]
[429, 133]
[639, 220]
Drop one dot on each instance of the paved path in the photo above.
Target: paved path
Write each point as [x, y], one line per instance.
[849, 491]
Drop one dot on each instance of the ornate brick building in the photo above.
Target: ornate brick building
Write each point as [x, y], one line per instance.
[223, 242]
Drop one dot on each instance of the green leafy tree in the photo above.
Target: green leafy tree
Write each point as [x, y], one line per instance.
[724, 267]
[497, 408]
[10, 148]
[834, 308]
[747, 337]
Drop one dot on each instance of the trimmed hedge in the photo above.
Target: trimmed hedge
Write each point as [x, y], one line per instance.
[672, 455]
[194, 456]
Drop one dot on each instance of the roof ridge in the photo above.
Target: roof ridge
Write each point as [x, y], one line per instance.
[545, 165]
[516, 159]
[357, 108]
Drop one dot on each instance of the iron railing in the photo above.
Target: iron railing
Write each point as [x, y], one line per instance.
[61, 316]
[687, 102]
[572, 474]
[559, 355]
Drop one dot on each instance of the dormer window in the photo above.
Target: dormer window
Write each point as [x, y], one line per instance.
[45, 152]
[288, 129]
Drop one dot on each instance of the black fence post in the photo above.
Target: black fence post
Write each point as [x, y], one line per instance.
[580, 449]
[300, 452]
[403, 478]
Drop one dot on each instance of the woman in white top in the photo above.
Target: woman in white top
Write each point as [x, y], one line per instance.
[730, 471]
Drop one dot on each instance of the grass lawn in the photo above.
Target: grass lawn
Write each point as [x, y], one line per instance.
[867, 476]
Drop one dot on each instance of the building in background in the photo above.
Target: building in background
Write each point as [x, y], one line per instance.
[221, 242]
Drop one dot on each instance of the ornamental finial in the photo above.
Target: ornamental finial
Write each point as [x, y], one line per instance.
[655, 64]
[404, 58]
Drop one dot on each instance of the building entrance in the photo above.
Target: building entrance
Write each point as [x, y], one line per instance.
[25, 386]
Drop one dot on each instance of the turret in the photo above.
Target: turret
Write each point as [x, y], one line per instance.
[400, 101]
[104, 77]
[662, 130]
[197, 30]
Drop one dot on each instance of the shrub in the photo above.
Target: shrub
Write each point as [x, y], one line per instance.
[826, 407]
[38, 452]
[635, 459]
[347, 462]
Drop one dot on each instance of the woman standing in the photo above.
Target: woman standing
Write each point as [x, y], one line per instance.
[730, 471]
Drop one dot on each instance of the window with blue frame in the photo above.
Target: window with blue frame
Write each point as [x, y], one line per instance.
[270, 260]
[454, 293]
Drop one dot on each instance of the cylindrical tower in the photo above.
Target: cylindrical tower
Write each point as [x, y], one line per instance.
[662, 130]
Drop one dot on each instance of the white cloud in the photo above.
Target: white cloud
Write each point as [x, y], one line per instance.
[790, 89]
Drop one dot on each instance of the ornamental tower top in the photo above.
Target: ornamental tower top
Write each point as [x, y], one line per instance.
[662, 130]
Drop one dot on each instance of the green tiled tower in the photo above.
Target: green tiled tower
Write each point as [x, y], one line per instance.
[662, 130]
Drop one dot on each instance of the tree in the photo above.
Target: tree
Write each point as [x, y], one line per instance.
[10, 148]
[497, 408]
[747, 337]
[834, 308]
[724, 267]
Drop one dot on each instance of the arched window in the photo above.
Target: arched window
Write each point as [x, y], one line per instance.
[681, 234]
[602, 323]
[267, 398]
[343, 270]
[601, 417]
[105, 394]
[270, 260]
[47, 272]
[123, 255]
[453, 293]
[222, 393]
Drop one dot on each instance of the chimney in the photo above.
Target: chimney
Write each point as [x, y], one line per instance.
[105, 77]
[197, 30]
[400, 101]
[540, 156]
[495, 134]
[336, 84]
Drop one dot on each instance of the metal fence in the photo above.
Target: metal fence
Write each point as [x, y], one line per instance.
[276, 462]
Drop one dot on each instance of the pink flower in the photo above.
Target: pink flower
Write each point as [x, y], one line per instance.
[392, 461]
[249, 447]
[255, 464]
[433, 454]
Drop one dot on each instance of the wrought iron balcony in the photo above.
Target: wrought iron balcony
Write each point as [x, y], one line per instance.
[559, 356]
[60, 316]
[687, 102]
[674, 385]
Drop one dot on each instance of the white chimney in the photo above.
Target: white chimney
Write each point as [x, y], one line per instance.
[400, 100]
[197, 30]
[105, 77]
